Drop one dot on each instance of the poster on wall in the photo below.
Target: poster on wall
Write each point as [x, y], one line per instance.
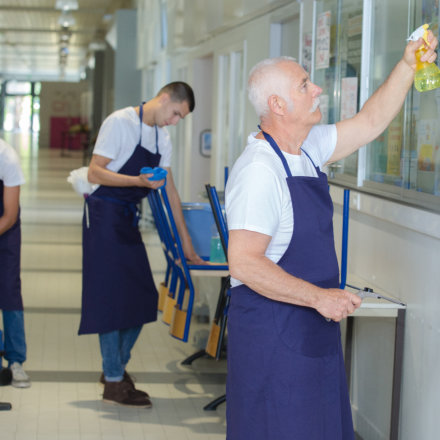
[349, 92]
[307, 52]
[323, 40]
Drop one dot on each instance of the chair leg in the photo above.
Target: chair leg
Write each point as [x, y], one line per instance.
[212, 406]
[5, 406]
[189, 360]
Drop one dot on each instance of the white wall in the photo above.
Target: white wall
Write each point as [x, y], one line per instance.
[395, 248]
[391, 246]
[127, 77]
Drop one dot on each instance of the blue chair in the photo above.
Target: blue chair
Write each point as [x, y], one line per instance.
[216, 336]
[216, 340]
[179, 302]
[167, 287]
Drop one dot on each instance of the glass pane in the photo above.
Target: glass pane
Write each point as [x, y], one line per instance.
[350, 59]
[37, 88]
[385, 155]
[424, 153]
[36, 115]
[18, 88]
[290, 37]
[326, 59]
[337, 66]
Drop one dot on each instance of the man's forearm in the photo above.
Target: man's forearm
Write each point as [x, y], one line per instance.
[268, 279]
[102, 176]
[384, 105]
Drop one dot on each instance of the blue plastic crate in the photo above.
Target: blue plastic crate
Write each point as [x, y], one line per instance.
[201, 224]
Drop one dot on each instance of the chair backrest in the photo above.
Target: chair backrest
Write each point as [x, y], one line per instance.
[218, 216]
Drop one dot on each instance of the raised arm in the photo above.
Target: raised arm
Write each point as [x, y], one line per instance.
[384, 105]
[248, 263]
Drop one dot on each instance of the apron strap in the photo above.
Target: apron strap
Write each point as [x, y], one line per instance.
[130, 207]
[277, 150]
[141, 114]
[305, 152]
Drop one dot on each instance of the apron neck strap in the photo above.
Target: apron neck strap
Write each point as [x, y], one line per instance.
[277, 150]
[311, 160]
[141, 114]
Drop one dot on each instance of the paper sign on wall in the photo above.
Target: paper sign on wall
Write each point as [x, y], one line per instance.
[323, 40]
[307, 52]
[349, 92]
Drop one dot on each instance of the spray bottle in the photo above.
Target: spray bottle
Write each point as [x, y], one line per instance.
[427, 75]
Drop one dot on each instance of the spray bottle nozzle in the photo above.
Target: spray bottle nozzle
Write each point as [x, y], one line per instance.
[420, 32]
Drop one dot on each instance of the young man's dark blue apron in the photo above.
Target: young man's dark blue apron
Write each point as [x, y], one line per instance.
[118, 286]
[286, 376]
[10, 245]
[11, 302]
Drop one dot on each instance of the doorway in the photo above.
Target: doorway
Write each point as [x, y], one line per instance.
[20, 106]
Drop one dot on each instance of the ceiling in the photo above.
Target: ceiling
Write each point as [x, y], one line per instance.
[34, 46]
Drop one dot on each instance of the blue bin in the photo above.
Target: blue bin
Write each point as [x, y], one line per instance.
[200, 223]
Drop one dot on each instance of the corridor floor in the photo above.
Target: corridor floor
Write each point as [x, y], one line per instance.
[65, 399]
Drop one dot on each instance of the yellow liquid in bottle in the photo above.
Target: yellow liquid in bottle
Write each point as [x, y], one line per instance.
[427, 75]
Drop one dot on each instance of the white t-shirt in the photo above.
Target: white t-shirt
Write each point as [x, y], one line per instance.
[257, 197]
[10, 168]
[119, 135]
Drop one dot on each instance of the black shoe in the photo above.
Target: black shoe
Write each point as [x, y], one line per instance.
[123, 394]
[127, 378]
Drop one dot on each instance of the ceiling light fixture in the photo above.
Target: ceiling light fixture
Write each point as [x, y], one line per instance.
[66, 20]
[66, 5]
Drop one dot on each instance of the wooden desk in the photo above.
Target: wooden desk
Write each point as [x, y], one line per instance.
[380, 309]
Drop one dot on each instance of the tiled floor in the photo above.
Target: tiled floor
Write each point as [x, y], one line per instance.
[64, 401]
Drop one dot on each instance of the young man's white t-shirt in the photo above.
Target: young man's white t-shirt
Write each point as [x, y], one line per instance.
[10, 168]
[119, 135]
[257, 196]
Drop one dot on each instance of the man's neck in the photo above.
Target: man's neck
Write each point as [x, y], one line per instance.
[149, 111]
[289, 139]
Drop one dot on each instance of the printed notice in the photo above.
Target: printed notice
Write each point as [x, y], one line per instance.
[307, 52]
[349, 92]
[323, 40]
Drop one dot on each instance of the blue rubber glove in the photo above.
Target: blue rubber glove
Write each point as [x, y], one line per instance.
[158, 173]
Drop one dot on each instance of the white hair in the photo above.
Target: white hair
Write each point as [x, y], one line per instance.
[267, 79]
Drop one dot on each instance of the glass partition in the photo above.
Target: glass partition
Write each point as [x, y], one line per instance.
[403, 163]
[389, 30]
[338, 49]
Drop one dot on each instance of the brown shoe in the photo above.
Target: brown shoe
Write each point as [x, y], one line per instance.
[127, 378]
[122, 393]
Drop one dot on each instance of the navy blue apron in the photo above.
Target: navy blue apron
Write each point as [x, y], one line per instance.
[10, 283]
[118, 287]
[286, 376]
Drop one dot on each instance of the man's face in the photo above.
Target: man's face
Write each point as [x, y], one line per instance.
[170, 112]
[304, 95]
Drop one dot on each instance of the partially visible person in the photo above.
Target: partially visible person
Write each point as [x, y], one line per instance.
[11, 303]
[286, 377]
[119, 293]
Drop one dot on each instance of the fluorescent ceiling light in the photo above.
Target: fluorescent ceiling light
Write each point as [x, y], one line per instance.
[66, 19]
[66, 5]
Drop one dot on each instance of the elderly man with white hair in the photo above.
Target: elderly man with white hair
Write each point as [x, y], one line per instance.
[286, 376]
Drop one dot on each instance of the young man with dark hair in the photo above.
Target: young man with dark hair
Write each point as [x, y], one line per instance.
[119, 294]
